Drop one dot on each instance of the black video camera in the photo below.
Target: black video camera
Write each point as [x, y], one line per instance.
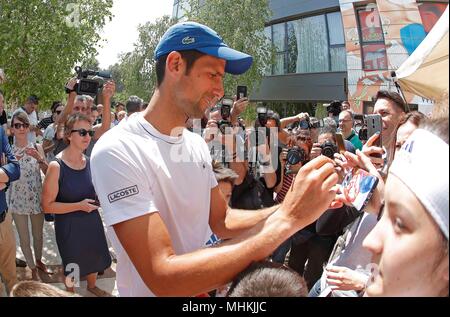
[329, 149]
[89, 86]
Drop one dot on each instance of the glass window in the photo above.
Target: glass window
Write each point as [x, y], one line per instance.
[279, 34]
[312, 44]
[430, 13]
[268, 34]
[335, 28]
[175, 9]
[279, 41]
[338, 57]
[372, 39]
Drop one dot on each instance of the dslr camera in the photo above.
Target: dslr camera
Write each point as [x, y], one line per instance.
[225, 113]
[89, 82]
[329, 149]
[262, 110]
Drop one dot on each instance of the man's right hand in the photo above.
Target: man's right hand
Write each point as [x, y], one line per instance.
[70, 86]
[369, 149]
[312, 191]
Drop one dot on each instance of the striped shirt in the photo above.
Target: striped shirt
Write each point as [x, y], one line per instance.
[44, 123]
[287, 181]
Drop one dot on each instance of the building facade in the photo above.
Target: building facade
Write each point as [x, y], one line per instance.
[341, 49]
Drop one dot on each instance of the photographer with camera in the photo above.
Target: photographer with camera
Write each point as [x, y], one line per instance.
[77, 103]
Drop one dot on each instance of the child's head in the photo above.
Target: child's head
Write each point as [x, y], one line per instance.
[268, 279]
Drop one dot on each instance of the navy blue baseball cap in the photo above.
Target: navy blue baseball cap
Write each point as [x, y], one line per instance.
[194, 36]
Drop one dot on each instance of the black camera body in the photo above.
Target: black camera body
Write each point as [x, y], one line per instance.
[329, 149]
[223, 125]
[89, 86]
[262, 115]
[225, 108]
[225, 113]
[296, 155]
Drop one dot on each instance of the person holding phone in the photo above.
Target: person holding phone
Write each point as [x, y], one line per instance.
[69, 194]
[24, 195]
[392, 108]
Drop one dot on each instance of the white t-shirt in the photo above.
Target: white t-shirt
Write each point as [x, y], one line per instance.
[136, 170]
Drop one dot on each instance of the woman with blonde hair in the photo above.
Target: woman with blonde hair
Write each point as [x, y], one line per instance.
[69, 194]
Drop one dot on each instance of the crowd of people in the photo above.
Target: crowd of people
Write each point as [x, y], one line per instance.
[197, 203]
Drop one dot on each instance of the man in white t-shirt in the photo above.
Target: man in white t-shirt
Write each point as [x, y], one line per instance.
[158, 191]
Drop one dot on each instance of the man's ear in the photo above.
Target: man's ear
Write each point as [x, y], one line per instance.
[175, 65]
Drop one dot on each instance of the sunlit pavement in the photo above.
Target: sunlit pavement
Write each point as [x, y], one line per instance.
[50, 256]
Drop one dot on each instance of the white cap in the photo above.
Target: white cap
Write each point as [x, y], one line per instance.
[422, 165]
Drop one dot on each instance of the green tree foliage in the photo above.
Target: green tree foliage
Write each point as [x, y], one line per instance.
[42, 40]
[241, 24]
[137, 68]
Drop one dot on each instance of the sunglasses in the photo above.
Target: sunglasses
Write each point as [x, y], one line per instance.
[58, 111]
[21, 125]
[84, 132]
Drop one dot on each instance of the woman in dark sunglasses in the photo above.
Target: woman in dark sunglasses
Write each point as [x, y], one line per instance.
[69, 194]
[24, 195]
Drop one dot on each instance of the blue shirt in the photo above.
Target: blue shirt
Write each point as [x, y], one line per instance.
[11, 168]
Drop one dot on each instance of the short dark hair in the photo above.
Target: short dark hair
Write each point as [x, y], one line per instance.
[21, 116]
[224, 174]
[268, 279]
[55, 106]
[438, 126]
[392, 96]
[33, 99]
[134, 104]
[190, 56]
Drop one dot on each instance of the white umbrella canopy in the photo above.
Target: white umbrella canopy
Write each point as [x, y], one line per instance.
[425, 72]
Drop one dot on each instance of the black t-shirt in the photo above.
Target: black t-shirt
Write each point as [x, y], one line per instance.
[3, 118]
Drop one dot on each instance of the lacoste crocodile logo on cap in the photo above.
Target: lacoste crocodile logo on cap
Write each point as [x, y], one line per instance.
[188, 40]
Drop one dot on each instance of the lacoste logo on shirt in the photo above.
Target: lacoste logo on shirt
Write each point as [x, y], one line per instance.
[188, 40]
[123, 193]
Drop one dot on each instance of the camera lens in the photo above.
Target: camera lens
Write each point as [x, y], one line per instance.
[295, 156]
[329, 149]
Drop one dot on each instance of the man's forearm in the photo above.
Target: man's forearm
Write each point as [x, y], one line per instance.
[237, 220]
[207, 269]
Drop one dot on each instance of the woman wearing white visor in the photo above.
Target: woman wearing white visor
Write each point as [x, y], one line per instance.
[410, 242]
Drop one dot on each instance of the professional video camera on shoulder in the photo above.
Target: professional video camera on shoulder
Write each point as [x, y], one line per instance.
[89, 82]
